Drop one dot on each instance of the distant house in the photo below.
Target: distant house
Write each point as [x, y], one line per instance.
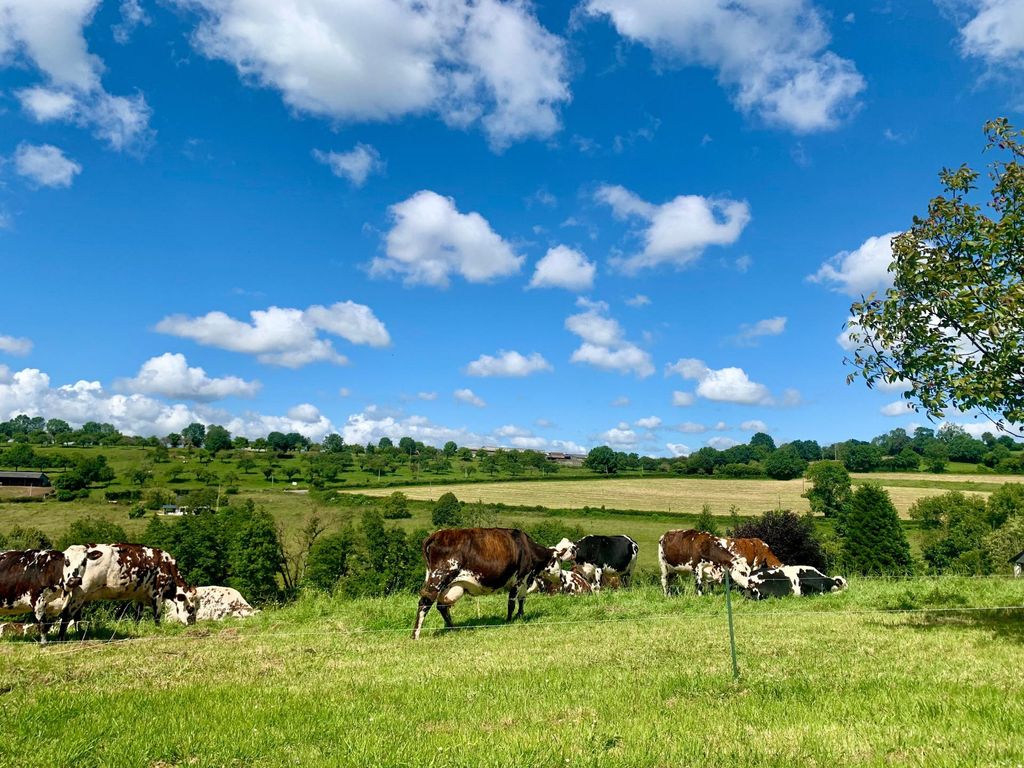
[566, 459]
[171, 509]
[29, 479]
[1018, 564]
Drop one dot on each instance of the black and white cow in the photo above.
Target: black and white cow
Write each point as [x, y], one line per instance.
[599, 556]
[791, 580]
[132, 572]
[33, 581]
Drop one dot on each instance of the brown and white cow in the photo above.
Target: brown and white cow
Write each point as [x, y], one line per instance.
[479, 561]
[31, 580]
[757, 554]
[132, 572]
[216, 603]
[702, 554]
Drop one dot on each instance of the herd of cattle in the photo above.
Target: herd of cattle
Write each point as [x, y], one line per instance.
[50, 584]
[479, 561]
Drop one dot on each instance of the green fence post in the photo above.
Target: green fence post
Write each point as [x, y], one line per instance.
[732, 634]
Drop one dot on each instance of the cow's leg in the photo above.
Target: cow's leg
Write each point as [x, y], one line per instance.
[445, 603]
[140, 607]
[598, 572]
[522, 601]
[512, 591]
[434, 585]
[40, 616]
[667, 575]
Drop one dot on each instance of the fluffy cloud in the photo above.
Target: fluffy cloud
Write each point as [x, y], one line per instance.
[45, 165]
[678, 449]
[29, 391]
[509, 363]
[169, 375]
[49, 37]
[682, 399]
[727, 385]
[283, 336]
[604, 344]
[860, 271]
[370, 426]
[996, 33]
[690, 428]
[486, 62]
[678, 231]
[751, 333]
[619, 437]
[771, 56]
[721, 442]
[469, 397]
[431, 240]
[356, 165]
[524, 439]
[897, 408]
[562, 267]
[649, 422]
[754, 425]
[14, 345]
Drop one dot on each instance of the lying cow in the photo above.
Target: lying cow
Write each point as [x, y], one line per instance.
[216, 603]
[702, 554]
[131, 572]
[599, 556]
[35, 581]
[791, 580]
[480, 561]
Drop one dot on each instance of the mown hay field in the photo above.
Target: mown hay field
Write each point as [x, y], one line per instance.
[673, 495]
[617, 679]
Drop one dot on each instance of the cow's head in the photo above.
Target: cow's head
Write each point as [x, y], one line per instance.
[839, 584]
[76, 560]
[183, 606]
[565, 549]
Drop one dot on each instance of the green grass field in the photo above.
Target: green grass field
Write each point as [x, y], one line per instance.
[617, 679]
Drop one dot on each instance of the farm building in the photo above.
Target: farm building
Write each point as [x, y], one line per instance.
[1018, 564]
[30, 479]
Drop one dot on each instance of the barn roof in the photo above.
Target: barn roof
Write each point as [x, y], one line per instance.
[1019, 558]
[22, 475]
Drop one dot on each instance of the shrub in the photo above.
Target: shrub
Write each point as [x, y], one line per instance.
[872, 539]
[955, 527]
[447, 511]
[1005, 502]
[396, 506]
[135, 513]
[784, 464]
[25, 538]
[328, 559]
[550, 532]
[790, 536]
[706, 521]
[91, 530]
[754, 469]
[831, 487]
[1005, 542]
[862, 458]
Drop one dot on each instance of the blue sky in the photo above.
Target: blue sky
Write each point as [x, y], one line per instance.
[635, 222]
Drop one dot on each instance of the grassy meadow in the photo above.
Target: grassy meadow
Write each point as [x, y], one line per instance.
[617, 679]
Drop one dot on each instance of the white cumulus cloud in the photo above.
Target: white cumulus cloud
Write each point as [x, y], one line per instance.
[508, 363]
[754, 425]
[604, 343]
[676, 232]
[281, 335]
[996, 33]
[356, 165]
[169, 375]
[648, 422]
[431, 240]
[682, 399]
[751, 333]
[619, 437]
[485, 62]
[45, 165]
[563, 267]
[897, 408]
[860, 271]
[678, 449]
[727, 385]
[469, 397]
[771, 55]
[721, 442]
[15, 345]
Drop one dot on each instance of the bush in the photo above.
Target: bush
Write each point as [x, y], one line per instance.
[955, 527]
[1005, 502]
[871, 536]
[862, 458]
[790, 536]
[831, 487]
[92, 530]
[135, 513]
[25, 538]
[706, 521]
[396, 507]
[1005, 542]
[784, 464]
[388, 560]
[754, 469]
[328, 559]
[447, 512]
[550, 532]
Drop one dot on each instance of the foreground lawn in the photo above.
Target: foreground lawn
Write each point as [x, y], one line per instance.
[619, 679]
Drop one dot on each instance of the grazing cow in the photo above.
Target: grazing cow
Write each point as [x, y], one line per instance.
[757, 554]
[703, 555]
[216, 603]
[480, 561]
[132, 572]
[597, 556]
[32, 579]
[791, 580]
